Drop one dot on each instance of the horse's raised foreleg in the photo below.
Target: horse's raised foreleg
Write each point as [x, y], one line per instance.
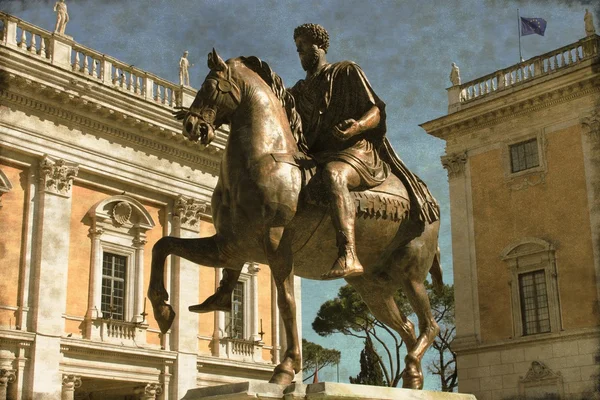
[202, 251]
[279, 254]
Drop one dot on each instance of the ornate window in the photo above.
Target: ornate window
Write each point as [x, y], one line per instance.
[524, 155]
[524, 161]
[234, 320]
[534, 302]
[114, 271]
[534, 287]
[116, 292]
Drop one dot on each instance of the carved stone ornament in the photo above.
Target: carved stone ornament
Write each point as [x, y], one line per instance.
[190, 211]
[57, 176]
[149, 391]
[7, 376]
[121, 212]
[71, 382]
[5, 186]
[539, 371]
[455, 164]
[591, 124]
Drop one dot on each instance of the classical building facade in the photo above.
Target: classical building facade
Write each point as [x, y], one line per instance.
[523, 163]
[93, 171]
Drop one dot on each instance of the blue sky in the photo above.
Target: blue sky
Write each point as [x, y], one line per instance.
[405, 48]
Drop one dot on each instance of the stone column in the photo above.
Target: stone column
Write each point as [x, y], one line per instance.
[591, 158]
[50, 267]
[463, 249]
[6, 376]
[95, 284]
[148, 391]
[253, 271]
[69, 384]
[185, 291]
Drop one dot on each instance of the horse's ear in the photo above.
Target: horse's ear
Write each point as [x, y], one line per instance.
[215, 62]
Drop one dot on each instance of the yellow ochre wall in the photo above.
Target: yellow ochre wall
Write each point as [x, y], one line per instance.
[556, 211]
[11, 231]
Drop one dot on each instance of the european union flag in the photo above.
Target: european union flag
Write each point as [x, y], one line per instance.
[529, 26]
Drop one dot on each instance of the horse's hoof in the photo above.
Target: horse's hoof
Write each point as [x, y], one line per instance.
[282, 376]
[342, 273]
[216, 302]
[164, 315]
[410, 381]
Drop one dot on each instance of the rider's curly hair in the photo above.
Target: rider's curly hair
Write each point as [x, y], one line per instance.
[316, 32]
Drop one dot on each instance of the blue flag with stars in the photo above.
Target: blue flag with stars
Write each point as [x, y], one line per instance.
[529, 26]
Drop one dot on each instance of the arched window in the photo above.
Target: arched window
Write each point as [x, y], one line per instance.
[534, 287]
[116, 292]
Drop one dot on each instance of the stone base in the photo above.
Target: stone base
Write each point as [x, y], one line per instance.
[323, 390]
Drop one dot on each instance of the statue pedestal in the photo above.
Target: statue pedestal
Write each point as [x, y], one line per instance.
[322, 390]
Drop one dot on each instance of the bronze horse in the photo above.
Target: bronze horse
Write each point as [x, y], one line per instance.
[262, 211]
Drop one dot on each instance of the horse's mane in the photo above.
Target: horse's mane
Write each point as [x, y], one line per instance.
[285, 97]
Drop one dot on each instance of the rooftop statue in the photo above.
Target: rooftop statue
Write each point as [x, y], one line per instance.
[455, 75]
[588, 19]
[62, 16]
[295, 157]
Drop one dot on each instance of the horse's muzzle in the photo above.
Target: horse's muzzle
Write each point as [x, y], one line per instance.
[198, 130]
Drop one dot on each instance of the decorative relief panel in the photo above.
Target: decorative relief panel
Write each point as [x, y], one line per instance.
[57, 176]
[190, 211]
[541, 382]
[455, 164]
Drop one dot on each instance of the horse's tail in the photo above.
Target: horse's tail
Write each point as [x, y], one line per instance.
[436, 273]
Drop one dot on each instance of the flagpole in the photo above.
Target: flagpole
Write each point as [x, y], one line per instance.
[519, 33]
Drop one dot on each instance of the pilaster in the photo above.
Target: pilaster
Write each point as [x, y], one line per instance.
[463, 248]
[7, 376]
[50, 272]
[185, 292]
[591, 158]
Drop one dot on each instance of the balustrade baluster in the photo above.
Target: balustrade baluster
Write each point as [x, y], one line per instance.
[122, 79]
[157, 94]
[115, 78]
[129, 82]
[94, 72]
[23, 41]
[555, 62]
[577, 54]
[570, 56]
[76, 63]
[42, 52]
[165, 96]
[562, 59]
[32, 46]
[85, 67]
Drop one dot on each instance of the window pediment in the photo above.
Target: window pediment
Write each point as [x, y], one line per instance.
[121, 212]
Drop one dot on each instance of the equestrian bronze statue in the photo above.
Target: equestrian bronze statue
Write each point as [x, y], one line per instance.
[298, 201]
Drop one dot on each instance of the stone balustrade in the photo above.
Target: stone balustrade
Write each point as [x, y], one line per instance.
[242, 350]
[119, 332]
[537, 67]
[63, 52]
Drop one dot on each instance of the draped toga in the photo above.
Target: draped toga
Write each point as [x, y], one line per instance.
[341, 91]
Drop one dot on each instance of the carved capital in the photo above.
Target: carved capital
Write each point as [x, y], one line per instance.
[139, 242]
[149, 391]
[7, 376]
[253, 268]
[591, 125]
[95, 232]
[57, 176]
[455, 164]
[190, 211]
[71, 382]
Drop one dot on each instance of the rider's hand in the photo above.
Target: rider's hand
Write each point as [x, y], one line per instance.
[346, 129]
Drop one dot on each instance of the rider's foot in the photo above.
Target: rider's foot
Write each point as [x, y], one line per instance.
[220, 301]
[346, 265]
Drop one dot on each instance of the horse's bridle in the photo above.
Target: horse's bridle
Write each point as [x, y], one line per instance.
[208, 114]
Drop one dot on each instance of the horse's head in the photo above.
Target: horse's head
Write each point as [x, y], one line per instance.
[218, 97]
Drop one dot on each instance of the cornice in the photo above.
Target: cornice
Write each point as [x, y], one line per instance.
[105, 350]
[464, 122]
[199, 157]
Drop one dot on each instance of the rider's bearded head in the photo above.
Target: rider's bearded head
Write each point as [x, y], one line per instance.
[318, 36]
